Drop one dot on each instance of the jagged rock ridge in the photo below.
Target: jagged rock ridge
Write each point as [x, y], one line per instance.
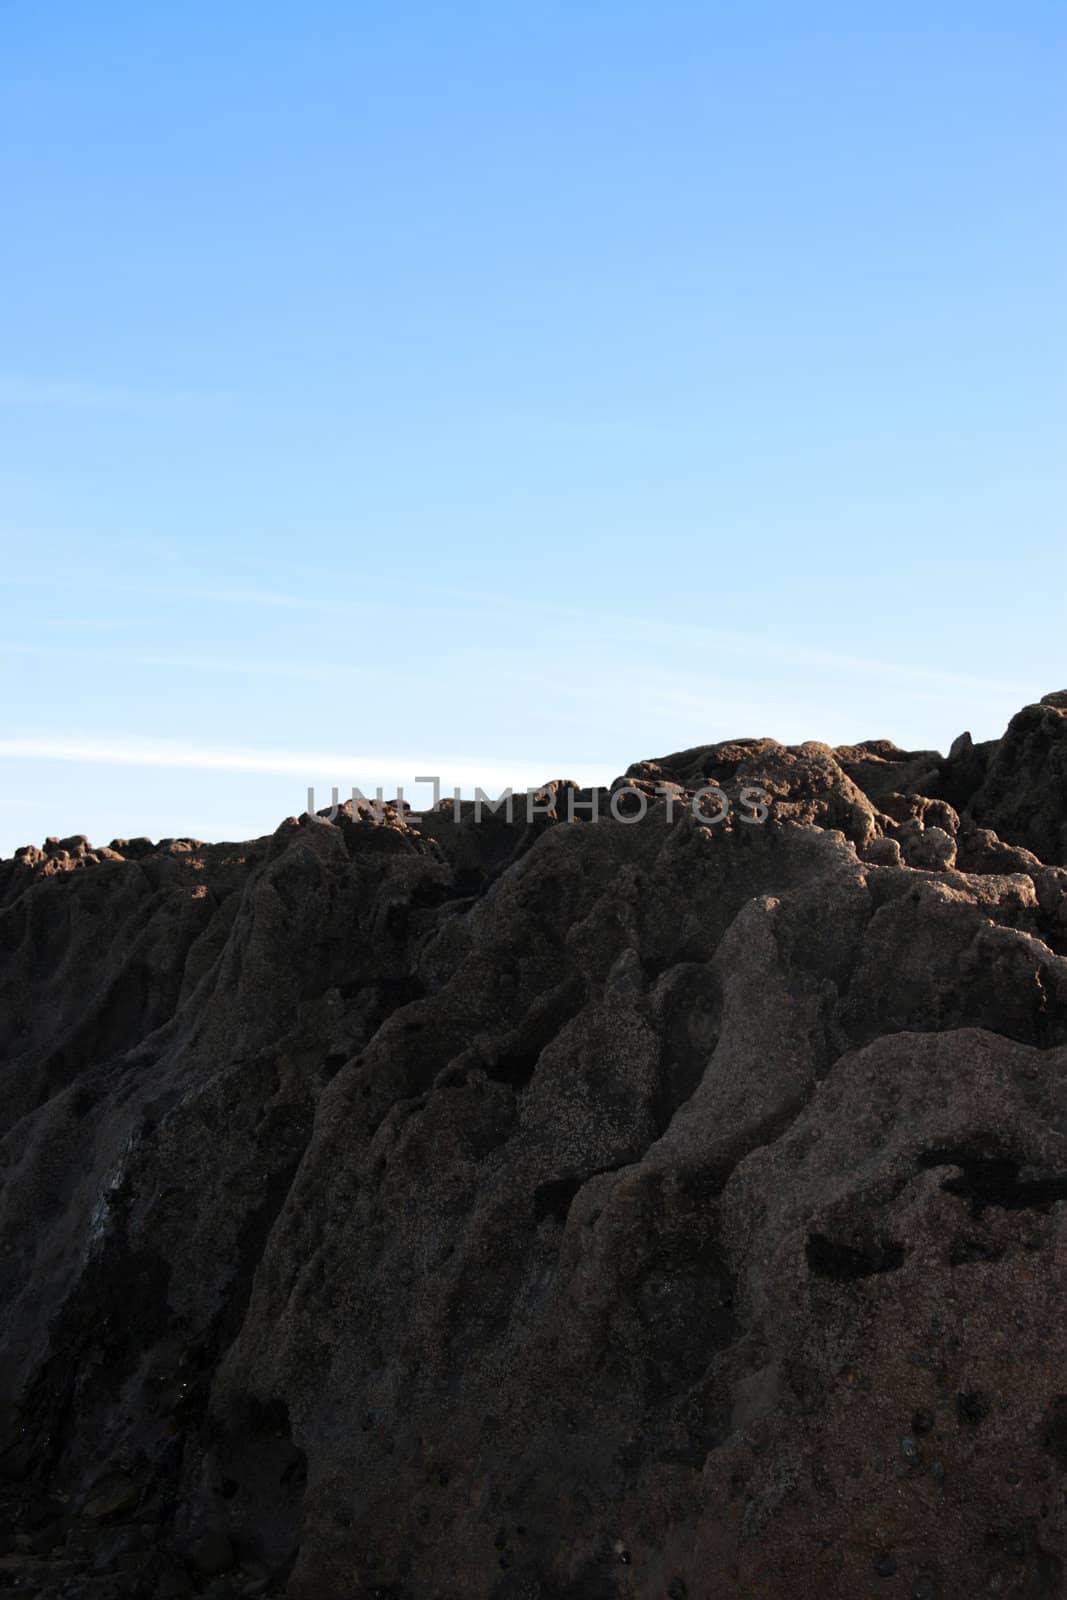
[560, 1210]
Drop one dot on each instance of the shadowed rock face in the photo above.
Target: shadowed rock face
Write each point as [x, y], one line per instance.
[563, 1210]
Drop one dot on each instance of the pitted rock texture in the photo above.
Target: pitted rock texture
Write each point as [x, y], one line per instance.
[561, 1210]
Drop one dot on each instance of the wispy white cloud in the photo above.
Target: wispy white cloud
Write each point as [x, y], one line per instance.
[135, 656]
[452, 603]
[286, 669]
[586, 631]
[312, 766]
[663, 637]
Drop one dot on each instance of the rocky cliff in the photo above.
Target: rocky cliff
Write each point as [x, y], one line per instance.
[549, 1210]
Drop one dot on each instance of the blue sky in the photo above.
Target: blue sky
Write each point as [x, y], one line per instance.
[516, 390]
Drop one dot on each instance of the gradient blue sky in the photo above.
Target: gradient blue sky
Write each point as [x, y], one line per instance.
[516, 390]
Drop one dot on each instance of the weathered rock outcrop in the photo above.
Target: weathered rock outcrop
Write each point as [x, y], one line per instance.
[466, 1208]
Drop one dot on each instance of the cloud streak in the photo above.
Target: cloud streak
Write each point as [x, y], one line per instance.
[587, 627]
[333, 767]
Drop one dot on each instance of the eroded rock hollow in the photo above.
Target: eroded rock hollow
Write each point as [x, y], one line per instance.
[553, 1210]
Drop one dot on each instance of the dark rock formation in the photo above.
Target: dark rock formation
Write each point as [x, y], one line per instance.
[467, 1208]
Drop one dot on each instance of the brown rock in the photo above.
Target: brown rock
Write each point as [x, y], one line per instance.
[571, 1210]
